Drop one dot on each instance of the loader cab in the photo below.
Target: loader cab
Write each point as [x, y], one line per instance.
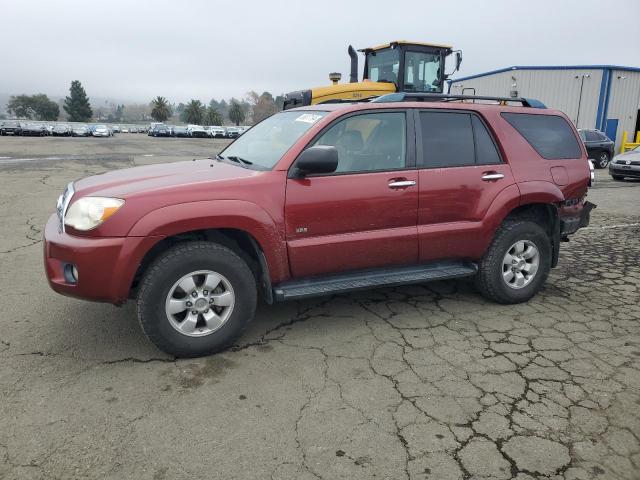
[412, 67]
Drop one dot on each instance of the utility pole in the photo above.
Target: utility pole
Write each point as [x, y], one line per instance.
[582, 77]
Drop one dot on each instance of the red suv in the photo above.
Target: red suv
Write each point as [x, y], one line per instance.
[321, 200]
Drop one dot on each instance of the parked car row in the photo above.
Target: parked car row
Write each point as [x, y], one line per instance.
[25, 129]
[17, 127]
[195, 131]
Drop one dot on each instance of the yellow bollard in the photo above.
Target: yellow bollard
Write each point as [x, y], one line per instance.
[623, 142]
[638, 136]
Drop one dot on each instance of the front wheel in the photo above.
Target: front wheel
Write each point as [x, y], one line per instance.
[602, 160]
[196, 298]
[617, 178]
[517, 263]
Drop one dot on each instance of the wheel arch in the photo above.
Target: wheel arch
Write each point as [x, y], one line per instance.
[545, 215]
[241, 242]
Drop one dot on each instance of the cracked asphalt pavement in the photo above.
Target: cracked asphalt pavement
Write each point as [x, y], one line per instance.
[415, 382]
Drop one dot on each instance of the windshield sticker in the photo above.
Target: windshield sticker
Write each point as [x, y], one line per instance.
[308, 118]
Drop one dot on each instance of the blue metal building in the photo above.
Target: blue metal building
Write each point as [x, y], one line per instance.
[606, 97]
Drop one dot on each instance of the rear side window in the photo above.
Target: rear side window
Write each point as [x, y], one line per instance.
[447, 139]
[455, 139]
[592, 136]
[550, 135]
[486, 151]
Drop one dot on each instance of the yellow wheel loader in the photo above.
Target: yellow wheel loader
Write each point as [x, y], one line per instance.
[398, 66]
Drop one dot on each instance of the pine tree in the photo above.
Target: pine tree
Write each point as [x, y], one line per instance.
[77, 104]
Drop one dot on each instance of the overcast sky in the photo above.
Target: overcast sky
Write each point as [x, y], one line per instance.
[182, 49]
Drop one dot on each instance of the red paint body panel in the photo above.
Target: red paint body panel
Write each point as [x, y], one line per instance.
[106, 266]
[351, 221]
[453, 204]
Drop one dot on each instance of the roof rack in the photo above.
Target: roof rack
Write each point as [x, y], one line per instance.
[445, 97]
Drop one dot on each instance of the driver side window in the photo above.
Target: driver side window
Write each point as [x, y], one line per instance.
[369, 142]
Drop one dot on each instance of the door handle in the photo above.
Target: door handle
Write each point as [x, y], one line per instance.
[402, 183]
[488, 177]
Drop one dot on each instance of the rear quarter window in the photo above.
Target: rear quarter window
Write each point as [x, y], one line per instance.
[550, 135]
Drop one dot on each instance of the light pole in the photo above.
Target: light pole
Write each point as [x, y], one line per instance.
[582, 77]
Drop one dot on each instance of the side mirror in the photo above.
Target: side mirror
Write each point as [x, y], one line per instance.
[317, 159]
[458, 62]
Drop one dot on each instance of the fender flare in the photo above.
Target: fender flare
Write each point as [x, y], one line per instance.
[211, 214]
[540, 191]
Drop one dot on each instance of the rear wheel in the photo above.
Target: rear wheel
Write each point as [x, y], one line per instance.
[517, 263]
[196, 298]
[602, 159]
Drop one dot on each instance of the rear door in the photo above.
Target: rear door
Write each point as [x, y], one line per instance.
[364, 215]
[461, 172]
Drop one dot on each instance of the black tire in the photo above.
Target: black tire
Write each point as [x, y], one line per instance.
[489, 279]
[617, 178]
[602, 159]
[173, 264]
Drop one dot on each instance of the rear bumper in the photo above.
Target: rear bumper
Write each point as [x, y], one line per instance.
[106, 266]
[572, 219]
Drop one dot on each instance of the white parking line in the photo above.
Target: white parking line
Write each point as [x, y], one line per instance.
[620, 225]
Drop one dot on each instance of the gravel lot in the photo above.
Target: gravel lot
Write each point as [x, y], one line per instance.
[420, 382]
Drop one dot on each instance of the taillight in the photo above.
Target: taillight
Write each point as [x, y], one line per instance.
[592, 173]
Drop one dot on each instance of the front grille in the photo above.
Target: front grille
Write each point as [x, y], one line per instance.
[63, 204]
[624, 162]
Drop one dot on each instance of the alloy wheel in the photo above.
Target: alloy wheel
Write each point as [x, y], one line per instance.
[200, 303]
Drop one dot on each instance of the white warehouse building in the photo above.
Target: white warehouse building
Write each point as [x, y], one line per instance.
[606, 97]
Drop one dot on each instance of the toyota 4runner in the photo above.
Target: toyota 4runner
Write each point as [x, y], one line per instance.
[322, 200]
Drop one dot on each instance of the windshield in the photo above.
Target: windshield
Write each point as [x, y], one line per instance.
[383, 66]
[422, 72]
[266, 143]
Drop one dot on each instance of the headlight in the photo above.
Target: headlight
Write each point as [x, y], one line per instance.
[89, 212]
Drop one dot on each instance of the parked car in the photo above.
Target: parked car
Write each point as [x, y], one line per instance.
[33, 130]
[133, 130]
[216, 132]
[197, 131]
[180, 132]
[115, 128]
[626, 164]
[233, 132]
[80, 131]
[101, 131]
[599, 146]
[48, 129]
[61, 130]
[160, 130]
[152, 126]
[322, 200]
[10, 127]
[124, 129]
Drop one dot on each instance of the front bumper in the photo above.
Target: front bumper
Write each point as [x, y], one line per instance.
[106, 266]
[623, 170]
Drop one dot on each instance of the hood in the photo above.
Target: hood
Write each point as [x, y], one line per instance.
[630, 155]
[160, 179]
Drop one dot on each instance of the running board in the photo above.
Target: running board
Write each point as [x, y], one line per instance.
[363, 279]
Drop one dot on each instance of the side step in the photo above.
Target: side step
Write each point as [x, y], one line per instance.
[363, 279]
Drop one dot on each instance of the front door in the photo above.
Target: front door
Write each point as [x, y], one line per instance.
[364, 215]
